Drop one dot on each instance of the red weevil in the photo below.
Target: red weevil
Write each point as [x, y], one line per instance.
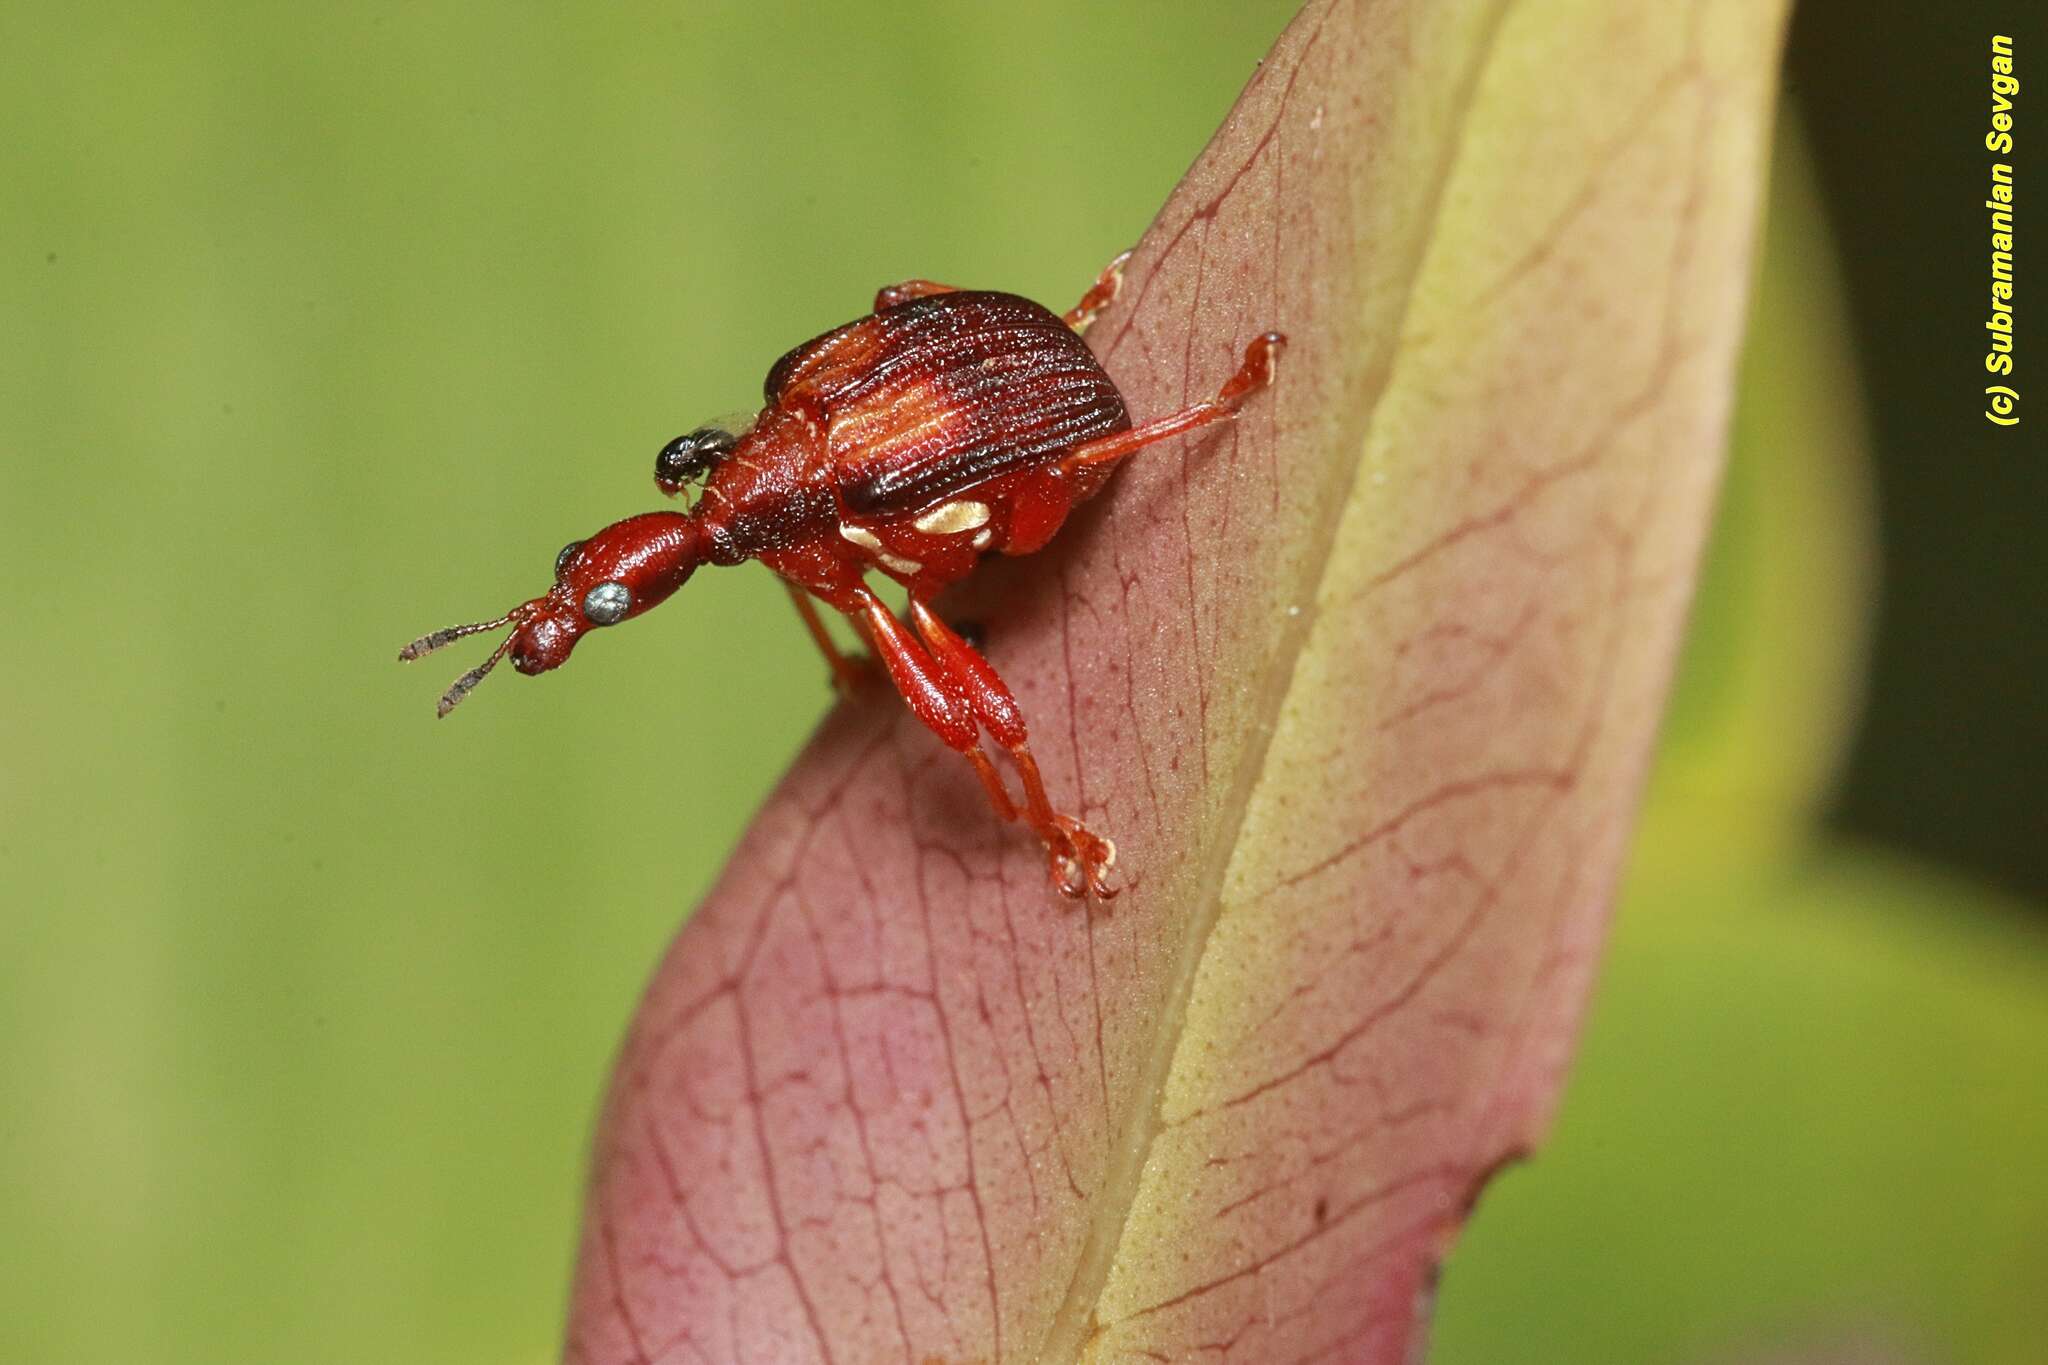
[946, 424]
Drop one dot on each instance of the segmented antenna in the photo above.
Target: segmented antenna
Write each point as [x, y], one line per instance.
[428, 643]
[466, 684]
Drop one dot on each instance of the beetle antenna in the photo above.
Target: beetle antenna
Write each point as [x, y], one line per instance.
[466, 684]
[432, 641]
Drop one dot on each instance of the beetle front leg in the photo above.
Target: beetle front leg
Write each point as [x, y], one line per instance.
[848, 670]
[888, 296]
[1081, 859]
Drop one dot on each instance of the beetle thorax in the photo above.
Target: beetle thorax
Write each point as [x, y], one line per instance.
[772, 492]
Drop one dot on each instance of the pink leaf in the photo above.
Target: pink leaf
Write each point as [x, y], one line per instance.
[1363, 687]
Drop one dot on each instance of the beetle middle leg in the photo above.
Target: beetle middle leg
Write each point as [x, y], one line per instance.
[930, 693]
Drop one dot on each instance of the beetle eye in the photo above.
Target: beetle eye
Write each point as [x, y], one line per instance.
[568, 553]
[607, 603]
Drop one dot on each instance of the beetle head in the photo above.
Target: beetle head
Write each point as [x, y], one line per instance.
[622, 571]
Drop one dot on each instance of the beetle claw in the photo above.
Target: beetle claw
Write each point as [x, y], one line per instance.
[1080, 861]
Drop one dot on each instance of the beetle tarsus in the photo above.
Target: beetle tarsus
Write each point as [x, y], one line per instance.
[1081, 860]
[1099, 296]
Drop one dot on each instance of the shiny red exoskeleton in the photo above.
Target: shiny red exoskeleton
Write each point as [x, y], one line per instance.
[945, 425]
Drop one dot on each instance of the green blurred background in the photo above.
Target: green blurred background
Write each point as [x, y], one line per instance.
[326, 327]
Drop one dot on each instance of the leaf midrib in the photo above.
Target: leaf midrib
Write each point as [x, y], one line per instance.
[1074, 1321]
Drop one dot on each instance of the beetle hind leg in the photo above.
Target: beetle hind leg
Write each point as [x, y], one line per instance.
[1261, 361]
[1099, 294]
[889, 295]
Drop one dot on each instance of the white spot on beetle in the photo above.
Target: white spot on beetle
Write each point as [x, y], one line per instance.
[950, 518]
[860, 536]
[898, 563]
[983, 537]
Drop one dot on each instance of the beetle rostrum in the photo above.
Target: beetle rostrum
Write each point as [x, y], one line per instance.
[944, 425]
